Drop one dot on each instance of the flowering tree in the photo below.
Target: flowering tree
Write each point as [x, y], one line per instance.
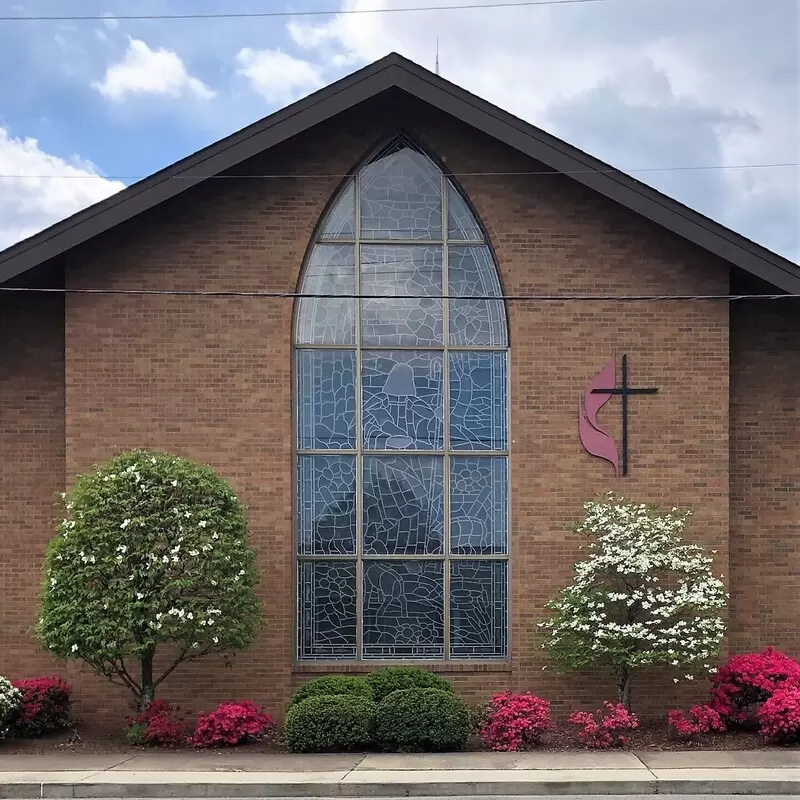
[641, 597]
[151, 556]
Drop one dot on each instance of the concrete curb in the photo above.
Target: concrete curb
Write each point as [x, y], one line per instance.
[601, 786]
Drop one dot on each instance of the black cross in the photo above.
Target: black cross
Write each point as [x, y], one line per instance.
[624, 392]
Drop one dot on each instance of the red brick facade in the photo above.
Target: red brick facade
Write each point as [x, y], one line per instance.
[211, 379]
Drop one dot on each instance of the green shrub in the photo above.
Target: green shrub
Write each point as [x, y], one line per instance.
[332, 685]
[428, 720]
[330, 723]
[391, 679]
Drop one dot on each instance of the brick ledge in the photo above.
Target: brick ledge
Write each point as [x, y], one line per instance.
[328, 667]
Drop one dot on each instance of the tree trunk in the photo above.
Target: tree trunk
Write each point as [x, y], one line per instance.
[148, 689]
[624, 681]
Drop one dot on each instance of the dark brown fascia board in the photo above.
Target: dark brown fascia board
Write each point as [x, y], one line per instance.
[604, 179]
[390, 72]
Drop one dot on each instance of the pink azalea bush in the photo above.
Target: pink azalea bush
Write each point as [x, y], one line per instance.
[516, 722]
[45, 707]
[779, 716]
[231, 724]
[746, 680]
[697, 721]
[159, 723]
[604, 730]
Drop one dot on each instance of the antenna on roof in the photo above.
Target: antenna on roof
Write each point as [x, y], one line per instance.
[437, 55]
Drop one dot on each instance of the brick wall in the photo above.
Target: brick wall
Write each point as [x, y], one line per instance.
[211, 378]
[765, 476]
[31, 465]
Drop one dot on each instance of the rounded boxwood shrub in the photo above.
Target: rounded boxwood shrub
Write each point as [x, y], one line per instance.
[428, 720]
[330, 723]
[333, 685]
[391, 679]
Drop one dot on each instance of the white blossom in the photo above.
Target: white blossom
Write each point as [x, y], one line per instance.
[618, 602]
[125, 523]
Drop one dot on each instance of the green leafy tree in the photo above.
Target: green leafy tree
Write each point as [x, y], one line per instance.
[150, 569]
[641, 597]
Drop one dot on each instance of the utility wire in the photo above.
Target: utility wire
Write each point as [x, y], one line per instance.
[265, 14]
[610, 170]
[556, 298]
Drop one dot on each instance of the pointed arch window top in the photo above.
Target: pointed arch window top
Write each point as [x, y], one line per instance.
[401, 236]
[400, 195]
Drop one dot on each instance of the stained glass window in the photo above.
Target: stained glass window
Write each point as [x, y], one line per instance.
[402, 425]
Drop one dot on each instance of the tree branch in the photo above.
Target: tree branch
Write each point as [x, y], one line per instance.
[126, 675]
[183, 657]
[169, 670]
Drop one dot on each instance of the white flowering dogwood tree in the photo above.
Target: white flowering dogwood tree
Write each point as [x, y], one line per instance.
[641, 598]
[150, 569]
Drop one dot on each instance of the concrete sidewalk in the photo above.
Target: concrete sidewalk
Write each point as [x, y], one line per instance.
[236, 774]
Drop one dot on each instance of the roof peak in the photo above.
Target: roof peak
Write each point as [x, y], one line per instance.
[395, 71]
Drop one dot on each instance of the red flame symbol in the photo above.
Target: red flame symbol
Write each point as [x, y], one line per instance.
[593, 437]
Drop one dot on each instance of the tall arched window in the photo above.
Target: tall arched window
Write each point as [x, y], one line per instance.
[402, 425]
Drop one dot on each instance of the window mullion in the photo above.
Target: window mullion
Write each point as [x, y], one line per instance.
[359, 428]
[446, 425]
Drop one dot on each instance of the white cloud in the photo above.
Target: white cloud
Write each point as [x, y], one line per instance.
[27, 205]
[641, 85]
[277, 76]
[146, 71]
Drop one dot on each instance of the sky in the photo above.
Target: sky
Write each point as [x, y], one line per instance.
[641, 84]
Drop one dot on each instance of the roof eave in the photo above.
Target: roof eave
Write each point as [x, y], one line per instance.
[395, 72]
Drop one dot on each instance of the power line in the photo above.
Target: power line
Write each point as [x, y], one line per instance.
[555, 298]
[322, 175]
[265, 14]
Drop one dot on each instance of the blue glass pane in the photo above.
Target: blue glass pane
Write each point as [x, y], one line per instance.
[401, 196]
[461, 222]
[478, 602]
[403, 400]
[340, 221]
[472, 273]
[391, 271]
[328, 320]
[478, 505]
[327, 595]
[478, 401]
[326, 399]
[403, 609]
[326, 505]
[403, 505]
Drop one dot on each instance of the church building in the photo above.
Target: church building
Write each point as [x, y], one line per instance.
[416, 334]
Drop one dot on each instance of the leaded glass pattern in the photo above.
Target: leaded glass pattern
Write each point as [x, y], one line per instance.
[402, 425]
[328, 320]
[403, 505]
[401, 399]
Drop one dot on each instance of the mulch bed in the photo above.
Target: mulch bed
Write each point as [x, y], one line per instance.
[648, 737]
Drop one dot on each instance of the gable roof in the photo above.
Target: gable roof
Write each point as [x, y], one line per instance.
[396, 72]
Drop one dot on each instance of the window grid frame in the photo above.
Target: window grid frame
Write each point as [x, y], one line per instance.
[446, 453]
